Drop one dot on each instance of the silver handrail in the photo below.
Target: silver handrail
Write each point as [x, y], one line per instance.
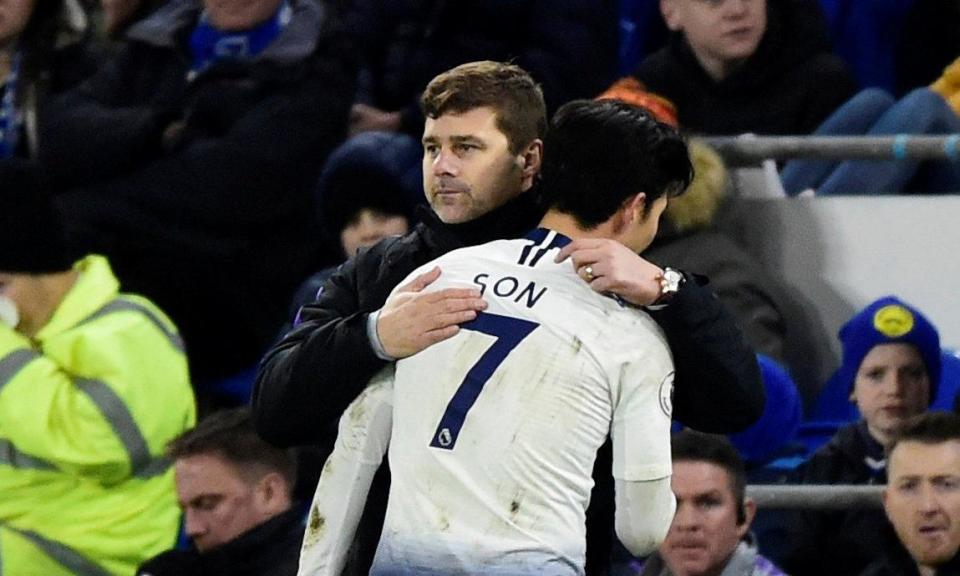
[749, 149]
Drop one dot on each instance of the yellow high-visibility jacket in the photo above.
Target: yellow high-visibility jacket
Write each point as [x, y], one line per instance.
[86, 411]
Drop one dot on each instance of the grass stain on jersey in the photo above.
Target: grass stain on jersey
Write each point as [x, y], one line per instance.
[314, 527]
[358, 410]
[577, 345]
[515, 503]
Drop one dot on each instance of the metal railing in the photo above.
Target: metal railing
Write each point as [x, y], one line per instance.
[749, 150]
[820, 497]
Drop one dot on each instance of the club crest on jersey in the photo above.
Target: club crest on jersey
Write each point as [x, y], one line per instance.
[666, 395]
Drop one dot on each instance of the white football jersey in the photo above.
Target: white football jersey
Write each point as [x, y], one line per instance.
[495, 430]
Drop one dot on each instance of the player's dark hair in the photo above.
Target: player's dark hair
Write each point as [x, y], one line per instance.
[230, 435]
[599, 153]
[692, 446]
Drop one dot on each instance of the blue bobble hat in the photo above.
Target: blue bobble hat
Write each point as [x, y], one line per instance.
[888, 320]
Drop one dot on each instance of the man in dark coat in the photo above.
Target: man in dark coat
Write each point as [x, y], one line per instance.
[922, 499]
[761, 66]
[189, 160]
[236, 494]
[308, 379]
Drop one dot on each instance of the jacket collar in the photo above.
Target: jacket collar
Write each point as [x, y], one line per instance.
[741, 562]
[896, 560]
[94, 288]
[260, 545]
[512, 220]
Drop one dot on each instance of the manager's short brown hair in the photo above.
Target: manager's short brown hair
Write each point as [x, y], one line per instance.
[507, 88]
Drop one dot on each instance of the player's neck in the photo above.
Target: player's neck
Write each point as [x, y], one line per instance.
[568, 226]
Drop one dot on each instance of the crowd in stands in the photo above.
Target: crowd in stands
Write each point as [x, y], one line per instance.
[190, 189]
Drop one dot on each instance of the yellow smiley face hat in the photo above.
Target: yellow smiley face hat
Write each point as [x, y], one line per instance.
[889, 320]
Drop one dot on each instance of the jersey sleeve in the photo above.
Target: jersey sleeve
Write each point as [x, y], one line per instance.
[642, 417]
[338, 503]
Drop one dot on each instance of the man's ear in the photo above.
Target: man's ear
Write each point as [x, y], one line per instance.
[749, 511]
[636, 206]
[630, 211]
[671, 14]
[529, 160]
[274, 493]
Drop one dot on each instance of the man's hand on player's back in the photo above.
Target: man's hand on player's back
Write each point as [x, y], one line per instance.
[411, 319]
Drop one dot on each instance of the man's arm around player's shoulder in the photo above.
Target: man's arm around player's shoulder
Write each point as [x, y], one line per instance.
[306, 380]
[717, 386]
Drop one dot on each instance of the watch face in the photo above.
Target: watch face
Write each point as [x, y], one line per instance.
[672, 280]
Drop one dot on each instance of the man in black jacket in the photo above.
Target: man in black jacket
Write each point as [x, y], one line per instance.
[308, 379]
[922, 499]
[236, 494]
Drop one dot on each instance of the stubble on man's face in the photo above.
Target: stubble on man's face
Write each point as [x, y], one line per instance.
[468, 169]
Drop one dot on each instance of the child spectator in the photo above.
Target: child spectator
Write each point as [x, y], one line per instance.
[891, 360]
[736, 66]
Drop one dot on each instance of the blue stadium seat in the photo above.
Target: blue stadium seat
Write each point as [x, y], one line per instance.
[949, 380]
[780, 420]
[234, 390]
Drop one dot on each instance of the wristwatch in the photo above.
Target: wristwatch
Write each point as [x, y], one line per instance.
[670, 282]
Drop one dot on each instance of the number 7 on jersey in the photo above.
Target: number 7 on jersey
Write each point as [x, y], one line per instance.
[509, 333]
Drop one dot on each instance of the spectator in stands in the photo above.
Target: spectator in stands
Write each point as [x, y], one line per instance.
[408, 42]
[93, 384]
[189, 159]
[43, 51]
[366, 206]
[235, 492]
[874, 112]
[922, 499]
[891, 360]
[710, 530]
[689, 240]
[735, 66]
[367, 201]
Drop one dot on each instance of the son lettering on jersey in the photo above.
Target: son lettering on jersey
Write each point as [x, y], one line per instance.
[527, 293]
